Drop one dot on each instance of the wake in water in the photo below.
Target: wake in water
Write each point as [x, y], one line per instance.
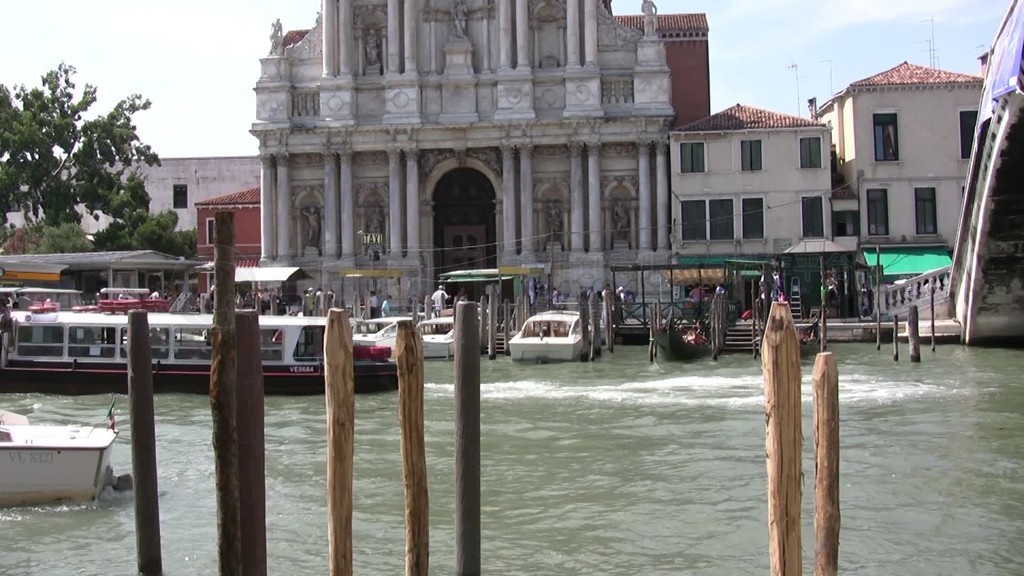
[719, 391]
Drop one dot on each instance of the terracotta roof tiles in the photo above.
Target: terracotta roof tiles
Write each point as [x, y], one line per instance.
[907, 74]
[293, 37]
[244, 197]
[740, 117]
[667, 22]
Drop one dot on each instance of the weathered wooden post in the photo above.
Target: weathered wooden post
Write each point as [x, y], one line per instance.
[339, 381]
[144, 469]
[223, 371]
[428, 308]
[914, 334]
[583, 307]
[931, 306]
[780, 362]
[609, 320]
[823, 338]
[595, 327]
[826, 465]
[252, 475]
[467, 442]
[492, 324]
[483, 322]
[414, 466]
[878, 297]
[507, 326]
[652, 349]
[896, 337]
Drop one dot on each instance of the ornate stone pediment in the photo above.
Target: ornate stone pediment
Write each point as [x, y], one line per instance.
[614, 36]
[610, 182]
[310, 47]
[618, 149]
[371, 193]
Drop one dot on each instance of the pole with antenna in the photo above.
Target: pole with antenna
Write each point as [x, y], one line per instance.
[796, 73]
[831, 91]
[933, 59]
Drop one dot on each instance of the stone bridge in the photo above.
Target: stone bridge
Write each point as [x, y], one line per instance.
[987, 274]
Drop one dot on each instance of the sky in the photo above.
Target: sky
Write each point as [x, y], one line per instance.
[198, 60]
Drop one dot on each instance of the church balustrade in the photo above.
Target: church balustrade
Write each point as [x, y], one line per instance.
[617, 90]
[305, 104]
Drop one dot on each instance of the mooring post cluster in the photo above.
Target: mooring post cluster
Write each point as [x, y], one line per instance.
[780, 361]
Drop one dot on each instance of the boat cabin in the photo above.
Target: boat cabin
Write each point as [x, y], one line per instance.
[551, 326]
[438, 327]
[93, 337]
[28, 297]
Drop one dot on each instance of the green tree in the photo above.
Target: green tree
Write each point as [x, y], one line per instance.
[67, 237]
[140, 230]
[55, 164]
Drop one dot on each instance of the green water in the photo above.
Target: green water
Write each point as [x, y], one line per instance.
[615, 468]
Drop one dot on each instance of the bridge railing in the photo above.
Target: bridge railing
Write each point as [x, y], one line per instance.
[898, 298]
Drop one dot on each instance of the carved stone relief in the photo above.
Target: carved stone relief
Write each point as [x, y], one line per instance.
[550, 151]
[614, 149]
[614, 36]
[376, 158]
[310, 47]
[610, 183]
[371, 192]
[489, 157]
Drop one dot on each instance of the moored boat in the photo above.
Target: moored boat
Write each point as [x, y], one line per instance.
[41, 464]
[679, 341]
[438, 336]
[86, 353]
[555, 335]
[376, 331]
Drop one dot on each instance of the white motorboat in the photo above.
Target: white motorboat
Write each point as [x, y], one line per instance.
[438, 336]
[377, 331]
[42, 464]
[555, 335]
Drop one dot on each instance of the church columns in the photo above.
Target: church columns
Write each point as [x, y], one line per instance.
[594, 194]
[394, 37]
[590, 32]
[348, 233]
[522, 32]
[412, 204]
[284, 209]
[644, 174]
[504, 34]
[329, 229]
[329, 15]
[266, 207]
[572, 33]
[345, 38]
[508, 200]
[662, 209]
[411, 25]
[576, 193]
[526, 198]
[394, 202]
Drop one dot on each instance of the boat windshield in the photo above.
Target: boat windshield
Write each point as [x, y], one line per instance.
[435, 329]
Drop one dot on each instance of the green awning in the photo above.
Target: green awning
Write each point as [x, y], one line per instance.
[908, 261]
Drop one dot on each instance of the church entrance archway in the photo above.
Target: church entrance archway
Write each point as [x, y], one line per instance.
[465, 231]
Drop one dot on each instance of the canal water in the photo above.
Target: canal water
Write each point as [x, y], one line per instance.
[617, 468]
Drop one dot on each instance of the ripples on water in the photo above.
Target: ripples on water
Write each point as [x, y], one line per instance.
[616, 468]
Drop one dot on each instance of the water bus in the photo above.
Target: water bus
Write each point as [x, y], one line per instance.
[86, 353]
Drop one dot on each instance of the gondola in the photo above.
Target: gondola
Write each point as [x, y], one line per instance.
[681, 341]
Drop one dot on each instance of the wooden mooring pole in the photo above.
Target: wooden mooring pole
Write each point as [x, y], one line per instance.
[492, 323]
[506, 325]
[826, 465]
[467, 442]
[878, 297]
[252, 473]
[931, 306]
[914, 334]
[223, 398]
[609, 320]
[595, 327]
[341, 406]
[823, 336]
[780, 362]
[414, 464]
[896, 337]
[143, 421]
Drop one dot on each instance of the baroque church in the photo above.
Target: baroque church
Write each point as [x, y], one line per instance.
[426, 136]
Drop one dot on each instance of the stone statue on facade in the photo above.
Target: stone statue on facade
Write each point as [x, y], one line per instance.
[276, 38]
[374, 220]
[459, 18]
[312, 215]
[555, 221]
[372, 52]
[620, 222]
[650, 11]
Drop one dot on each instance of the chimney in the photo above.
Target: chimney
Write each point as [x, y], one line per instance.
[984, 62]
[812, 107]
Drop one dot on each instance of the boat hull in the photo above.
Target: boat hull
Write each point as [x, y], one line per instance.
[547, 350]
[31, 474]
[673, 347]
[438, 348]
[112, 378]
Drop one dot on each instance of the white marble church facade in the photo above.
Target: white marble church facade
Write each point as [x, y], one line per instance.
[431, 135]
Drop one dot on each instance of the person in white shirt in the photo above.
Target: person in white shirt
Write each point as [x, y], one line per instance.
[440, 297]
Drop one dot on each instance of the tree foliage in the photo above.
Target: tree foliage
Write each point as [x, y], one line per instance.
[140, 230]
[55, 164]
[43, 239]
